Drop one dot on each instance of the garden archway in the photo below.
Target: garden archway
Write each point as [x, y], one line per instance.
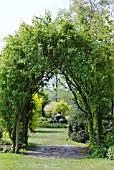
[31, 57]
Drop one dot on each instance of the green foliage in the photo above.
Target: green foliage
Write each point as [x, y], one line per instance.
[91, 80]
[45, 124]
[109, 139]
[62, 106]
[99, 151]
[110, 153]
[36, 112]
[77, 127]
[82, 50]
[5, 139]
[37, 100]
[106, 149]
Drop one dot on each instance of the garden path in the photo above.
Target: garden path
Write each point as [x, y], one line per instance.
[57, 151]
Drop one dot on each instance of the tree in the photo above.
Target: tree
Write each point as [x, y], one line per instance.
[45, 101]
[91, 80]
[88, 8]
[81, 51]
[62, 106]
[21, 77]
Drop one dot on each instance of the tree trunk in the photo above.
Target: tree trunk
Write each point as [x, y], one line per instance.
[112, 107]
[26, 131]
[99, 128]
[25, 122]
[90, 127]
[17, 133]
[56, 87]
[13, 138]
[43, 113]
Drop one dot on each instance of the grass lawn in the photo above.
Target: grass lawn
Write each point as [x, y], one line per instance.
[19, 162]
[47, 136]
[51, 136]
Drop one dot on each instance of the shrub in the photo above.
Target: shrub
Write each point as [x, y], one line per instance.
[77, 128]
[106, 149]
[5, 139]
[45, 124]
[1, 128]
[79, 136]
[62, 106]
[109, 131]
[109, 139]
[99, 151]
[36, 106]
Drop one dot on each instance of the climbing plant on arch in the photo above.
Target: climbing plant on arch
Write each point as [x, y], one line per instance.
[34, 54]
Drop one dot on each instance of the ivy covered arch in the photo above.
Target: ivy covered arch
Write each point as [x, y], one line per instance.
[34, 54]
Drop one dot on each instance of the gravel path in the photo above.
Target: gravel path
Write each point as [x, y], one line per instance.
[57, 152]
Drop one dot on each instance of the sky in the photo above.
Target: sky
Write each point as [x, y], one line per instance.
[13, 12]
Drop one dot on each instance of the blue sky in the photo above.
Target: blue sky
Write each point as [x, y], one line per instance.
[13, 12]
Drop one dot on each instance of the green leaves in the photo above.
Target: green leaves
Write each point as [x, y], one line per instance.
[82, 50]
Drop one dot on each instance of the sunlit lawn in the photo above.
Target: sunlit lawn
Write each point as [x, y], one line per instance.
[19, 162]
[51, 136]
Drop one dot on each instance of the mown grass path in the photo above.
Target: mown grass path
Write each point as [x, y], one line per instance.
[54, 143]
[51, 136]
